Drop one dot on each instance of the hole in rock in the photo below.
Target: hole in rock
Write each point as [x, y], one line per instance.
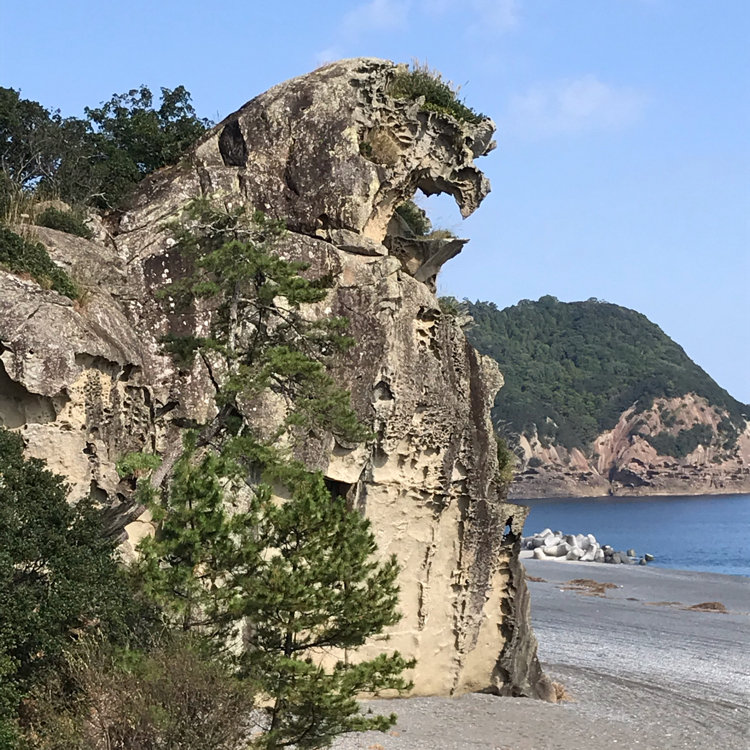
[441, 210]
[98, 495]
[382, 392]
[232, 146]
[508, 536]
[19, 407]
[337, 488]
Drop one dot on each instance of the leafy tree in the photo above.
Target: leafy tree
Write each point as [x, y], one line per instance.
[571, 369]
[132, 138]
[59, 576]
[29, 139]
[96, 160]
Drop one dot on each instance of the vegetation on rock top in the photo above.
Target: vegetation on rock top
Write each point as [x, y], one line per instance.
[571, 369]
[96, 160]
[439, 95]
[64, 221]
[22, 255]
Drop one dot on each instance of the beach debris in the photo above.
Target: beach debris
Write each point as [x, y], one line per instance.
[709, 607]
[561, 693]
[702, 607]
[579, 548]
[589, 587]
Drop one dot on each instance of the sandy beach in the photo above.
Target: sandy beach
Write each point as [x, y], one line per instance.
[644, 670]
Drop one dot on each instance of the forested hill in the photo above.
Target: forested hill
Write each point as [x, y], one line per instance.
[572, 368]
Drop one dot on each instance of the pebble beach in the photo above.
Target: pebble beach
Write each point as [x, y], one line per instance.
[651, 659]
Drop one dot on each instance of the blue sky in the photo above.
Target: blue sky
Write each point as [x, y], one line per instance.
[623, 167]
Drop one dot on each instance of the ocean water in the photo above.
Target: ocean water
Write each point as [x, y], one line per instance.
[709, 533]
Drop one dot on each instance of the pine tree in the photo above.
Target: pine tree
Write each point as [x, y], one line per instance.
[252, 300]
[318, 590]
[301, 574]
[203, 537]
[299, 578]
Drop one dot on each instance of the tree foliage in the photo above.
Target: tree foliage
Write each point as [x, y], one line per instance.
[252, 298]
[132, 138]
[572, 368]
[683, 443]
[98, 159]
[298, 579]
[59, 576]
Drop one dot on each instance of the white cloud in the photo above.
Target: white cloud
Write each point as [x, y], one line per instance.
[376, 15]
[573, 106]
[482, 15]
[496, 15]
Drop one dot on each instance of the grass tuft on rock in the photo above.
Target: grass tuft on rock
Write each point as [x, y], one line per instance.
[25, 256]
[64, 221]
[439, 95]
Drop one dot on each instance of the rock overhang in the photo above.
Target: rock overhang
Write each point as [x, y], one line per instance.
[328, 152]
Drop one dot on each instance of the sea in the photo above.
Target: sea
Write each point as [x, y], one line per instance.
[709, 533]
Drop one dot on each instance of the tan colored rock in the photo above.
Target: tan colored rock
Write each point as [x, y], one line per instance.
[333, 154]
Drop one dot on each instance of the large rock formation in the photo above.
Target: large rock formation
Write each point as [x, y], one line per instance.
[626, 459]
[333, 154]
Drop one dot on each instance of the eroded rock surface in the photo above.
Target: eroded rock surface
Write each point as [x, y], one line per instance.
[333, 154]
[623, 461]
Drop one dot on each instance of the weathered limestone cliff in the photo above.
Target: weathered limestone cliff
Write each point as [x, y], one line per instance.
[332, 153]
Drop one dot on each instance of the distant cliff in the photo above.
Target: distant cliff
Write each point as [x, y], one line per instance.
[598, 400]
[333, 154]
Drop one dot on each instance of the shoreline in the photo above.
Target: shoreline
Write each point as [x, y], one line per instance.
[533, 493]
[527, 556]
[644, 496]
[645, 671]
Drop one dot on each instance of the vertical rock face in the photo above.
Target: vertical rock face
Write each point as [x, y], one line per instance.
[333, 154]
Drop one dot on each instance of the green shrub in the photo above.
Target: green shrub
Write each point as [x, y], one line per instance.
[535, 462]
[415, 218]
[137, 464]
[59, 575]
[439, 95]
[20, 256]
[506, 462]
[64, 221]
[684, 443]
[173, 696]
[449, 306]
